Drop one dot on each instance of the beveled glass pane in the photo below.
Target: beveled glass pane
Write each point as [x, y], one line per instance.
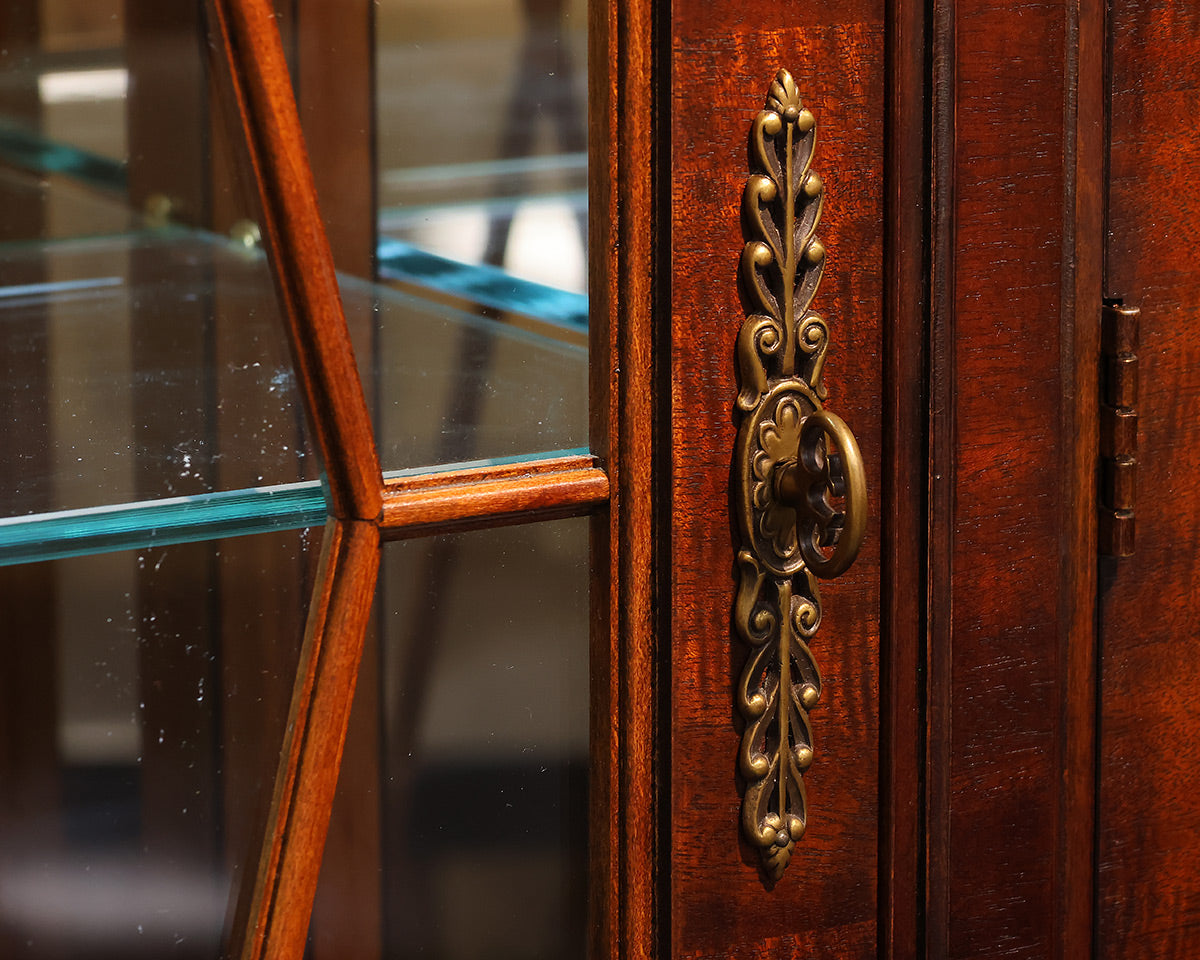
[143, 699]
[477, 768]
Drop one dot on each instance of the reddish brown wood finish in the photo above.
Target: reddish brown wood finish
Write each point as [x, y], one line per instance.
[1149, 784]
[273, 913]
[418, 506]
[300, 255]
[903, 475]
[1010, 652]
[627, 776]
[348, 910]
[1079, 336]
[333, 57]
[723, 57]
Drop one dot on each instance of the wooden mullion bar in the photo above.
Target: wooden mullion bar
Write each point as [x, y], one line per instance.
[301, 260]
[489, 496]
[274, 908]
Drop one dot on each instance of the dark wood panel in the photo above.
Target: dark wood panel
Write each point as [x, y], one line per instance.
[904, 470]
[1149, 800]
[1009, 641]
[335, 41]
[31, 801]
[31, 804]
[167, 111]
[723, 59]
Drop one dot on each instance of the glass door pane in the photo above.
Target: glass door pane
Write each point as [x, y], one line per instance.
[481, 113]
[477, 769]
[142, 700]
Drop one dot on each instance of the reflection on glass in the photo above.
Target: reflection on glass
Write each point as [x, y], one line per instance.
[148, 399]
[149, 375]
[483, 684]
[482, 117]
[142, 704]
[141, 367]
[145, 380]
[63, 131]
[449, 387]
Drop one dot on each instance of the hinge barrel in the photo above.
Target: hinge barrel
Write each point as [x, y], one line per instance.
[1118, 429]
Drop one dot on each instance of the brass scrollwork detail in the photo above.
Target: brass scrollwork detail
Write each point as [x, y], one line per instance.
[795, 461]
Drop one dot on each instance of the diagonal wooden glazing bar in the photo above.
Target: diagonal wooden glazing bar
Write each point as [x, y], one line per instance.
[275, 902]
[245, 32]
[274, 907]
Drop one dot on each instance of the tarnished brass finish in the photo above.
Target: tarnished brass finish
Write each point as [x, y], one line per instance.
[1118, 432]
[794, 462]
[1120, 482]
[1118, 429]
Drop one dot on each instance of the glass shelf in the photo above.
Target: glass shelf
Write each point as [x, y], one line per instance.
[150, 396]
[234, 513]
[142, 367]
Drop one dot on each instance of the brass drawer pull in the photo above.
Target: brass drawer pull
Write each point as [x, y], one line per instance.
[794, 463]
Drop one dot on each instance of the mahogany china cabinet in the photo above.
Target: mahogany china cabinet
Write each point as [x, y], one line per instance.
[620, 478]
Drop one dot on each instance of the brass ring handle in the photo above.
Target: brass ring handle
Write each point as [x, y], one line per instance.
[806, 483]
[795, 463]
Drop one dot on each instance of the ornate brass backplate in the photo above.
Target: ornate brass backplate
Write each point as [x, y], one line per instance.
[794, 462]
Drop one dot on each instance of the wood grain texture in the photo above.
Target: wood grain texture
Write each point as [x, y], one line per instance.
[903, 475]
[1009, 642]
[626, 231]
[723, 58]
[301, 261]
[335, 40]
[1149, 802]
[273, 911]
[487, 496]
[1079, 334]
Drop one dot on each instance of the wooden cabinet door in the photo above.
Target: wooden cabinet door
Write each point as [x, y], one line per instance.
[996, 772]
[994, 775]
[980, 785]
[1149, 854]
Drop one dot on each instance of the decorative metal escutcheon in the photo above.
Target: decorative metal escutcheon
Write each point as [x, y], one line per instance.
[800, 487]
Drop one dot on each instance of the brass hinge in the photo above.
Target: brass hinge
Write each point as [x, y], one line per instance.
[1118, 428]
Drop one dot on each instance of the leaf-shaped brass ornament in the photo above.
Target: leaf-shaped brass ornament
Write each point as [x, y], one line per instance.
[787, 474]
